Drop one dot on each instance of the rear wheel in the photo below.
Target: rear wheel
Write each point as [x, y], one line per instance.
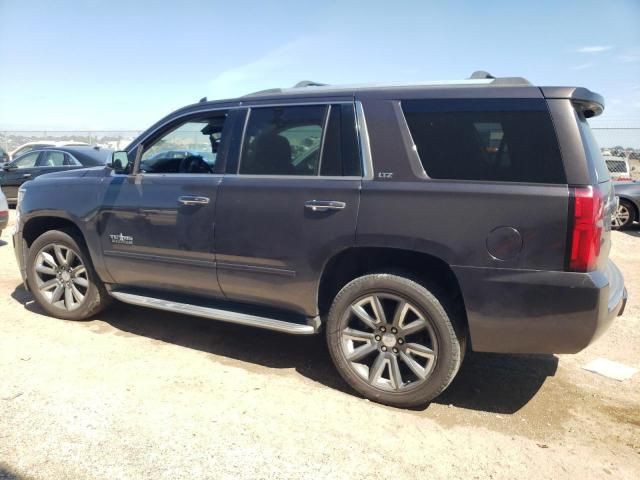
[62, 279]
[392, 340]
[624, 216]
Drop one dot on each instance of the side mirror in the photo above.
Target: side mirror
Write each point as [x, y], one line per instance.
[120, 162]
[7, 167]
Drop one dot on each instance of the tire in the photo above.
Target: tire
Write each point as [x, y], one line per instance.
[624, 216]
[363, 343]
[50, 268]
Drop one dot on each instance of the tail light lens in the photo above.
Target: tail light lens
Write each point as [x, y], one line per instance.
[586, 229]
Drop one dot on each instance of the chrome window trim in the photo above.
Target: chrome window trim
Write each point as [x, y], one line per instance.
[241, 105]
[325, 125]
[363, 138]
[294, 177]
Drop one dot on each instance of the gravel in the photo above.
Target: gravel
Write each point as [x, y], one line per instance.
[141, 393]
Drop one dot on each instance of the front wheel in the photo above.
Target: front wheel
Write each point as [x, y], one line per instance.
[392, 340]
[62, 279]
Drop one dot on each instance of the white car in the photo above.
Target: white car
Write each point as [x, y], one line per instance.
[4, 212]
[27, 147]
[618, 167]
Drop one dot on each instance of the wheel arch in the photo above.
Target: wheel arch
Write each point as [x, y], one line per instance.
[36, 225]
[429, 270]
[634, 205]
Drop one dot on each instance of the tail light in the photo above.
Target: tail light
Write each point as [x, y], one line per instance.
[586, 226]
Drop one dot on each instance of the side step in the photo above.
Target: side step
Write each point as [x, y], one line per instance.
[219, 314]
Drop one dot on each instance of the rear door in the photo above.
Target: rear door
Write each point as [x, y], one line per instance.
[289, 204]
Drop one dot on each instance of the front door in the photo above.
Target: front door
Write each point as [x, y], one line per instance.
[17, 172]
[289, 206]
[157, 225]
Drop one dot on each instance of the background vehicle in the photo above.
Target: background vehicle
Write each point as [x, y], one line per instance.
[4, 156]
[27, 147]
[338, 209]
[628, 210]
[47, 160]
[4, 211]
[618, 168]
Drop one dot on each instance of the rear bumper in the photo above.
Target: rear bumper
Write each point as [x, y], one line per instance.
[516, 311]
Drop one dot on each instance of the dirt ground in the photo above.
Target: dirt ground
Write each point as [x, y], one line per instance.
[140, 393]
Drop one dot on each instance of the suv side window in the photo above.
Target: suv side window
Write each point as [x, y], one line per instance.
[283, 140]
[491, 140]
[289, 141]
[341, 153]
[191, 147]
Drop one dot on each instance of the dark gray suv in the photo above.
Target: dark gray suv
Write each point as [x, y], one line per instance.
[408, 223]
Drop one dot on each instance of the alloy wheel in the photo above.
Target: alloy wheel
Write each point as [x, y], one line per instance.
[621, 216]
[388, 342]
[61, 276]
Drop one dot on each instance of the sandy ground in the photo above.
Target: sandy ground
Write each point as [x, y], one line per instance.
[141, 393]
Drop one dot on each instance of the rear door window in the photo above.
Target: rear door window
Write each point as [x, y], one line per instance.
[283, 140]
[51, 159]
[488, 140]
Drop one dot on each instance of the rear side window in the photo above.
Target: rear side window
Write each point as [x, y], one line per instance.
[617, 166]
[308, 140]
[341, 154]
[488, 140]
[283, 140]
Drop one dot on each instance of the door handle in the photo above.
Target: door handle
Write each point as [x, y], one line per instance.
[26, 175]
[324, 205]
[193, 200]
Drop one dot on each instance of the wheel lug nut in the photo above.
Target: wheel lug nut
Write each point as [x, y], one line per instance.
[400, 341]
[395, 350]
[378, 337]
[383, 329]
[384, 349]
[394, 330]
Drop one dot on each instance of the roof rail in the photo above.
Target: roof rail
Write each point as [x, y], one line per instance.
[300, 84]
[484, 75]
[479, 77]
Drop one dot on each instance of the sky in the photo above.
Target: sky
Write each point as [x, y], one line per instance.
[122, 65]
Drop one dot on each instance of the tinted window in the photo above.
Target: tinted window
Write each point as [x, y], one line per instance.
[189, 148]
[592, 149]
[340, 154]
[491, 140]
[283, 141]
[26, 161]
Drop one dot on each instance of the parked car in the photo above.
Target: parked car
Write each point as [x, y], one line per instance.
[27, 147]
[4, 212]
[628, 210]
[46, 160]
[619, 169]
[389, 218]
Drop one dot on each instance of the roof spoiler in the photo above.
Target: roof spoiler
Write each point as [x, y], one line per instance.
[590, 103]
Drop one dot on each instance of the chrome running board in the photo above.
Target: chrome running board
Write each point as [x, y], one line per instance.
[218, 314]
